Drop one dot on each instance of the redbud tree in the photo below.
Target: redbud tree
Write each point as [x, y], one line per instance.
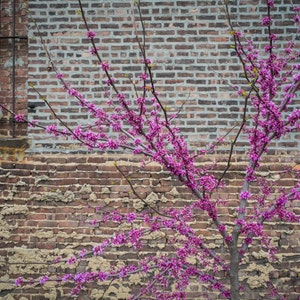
[143, 125]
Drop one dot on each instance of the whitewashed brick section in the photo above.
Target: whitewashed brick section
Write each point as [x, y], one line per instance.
[188, 40]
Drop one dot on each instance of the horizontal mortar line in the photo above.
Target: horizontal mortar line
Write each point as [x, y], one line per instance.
[13, 37]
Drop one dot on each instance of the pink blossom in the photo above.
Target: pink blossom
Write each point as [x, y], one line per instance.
[228, 239]
[137, 142]
[101, 276]
[141, 100]
[66, 277]
[71, 260]
[130, 217]
[105, 66]
[253, 228]
[52, 129]
[59, 75]
[91, 34]
[76, 290]
[119, 239]
[296, 77]
[245, 195]
[73, 92]
[134, 237]
[44, 279]
[115, 216]
[248, 240]
[110, 81]
[94, 50]
[112, 144]
[98, 249]
[294, 117]
[143, 76]
[271, 3]
[57, 259]
[19, 281]
[82, 253]
[273, 37]
[94, 222]
[33, 123]
[266, 21]
[238, 34]
[297, 19]
[221, 228]
[19, 118]
[147, 61]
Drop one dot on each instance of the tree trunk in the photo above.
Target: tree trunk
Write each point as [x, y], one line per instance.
[234, 272]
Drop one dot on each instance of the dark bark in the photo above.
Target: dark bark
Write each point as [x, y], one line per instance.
[234, 272]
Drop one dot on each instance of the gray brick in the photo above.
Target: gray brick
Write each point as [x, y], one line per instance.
[189, 41]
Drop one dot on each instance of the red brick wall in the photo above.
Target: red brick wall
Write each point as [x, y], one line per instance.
[13, 36]
[47, 202]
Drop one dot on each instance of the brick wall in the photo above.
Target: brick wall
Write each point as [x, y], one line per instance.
[48, 202]
[13, 65]
[47, 199]
[188, 40]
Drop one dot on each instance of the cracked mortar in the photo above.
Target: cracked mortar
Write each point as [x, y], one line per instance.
[58, 196]
[256, 281]
[5, 227]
